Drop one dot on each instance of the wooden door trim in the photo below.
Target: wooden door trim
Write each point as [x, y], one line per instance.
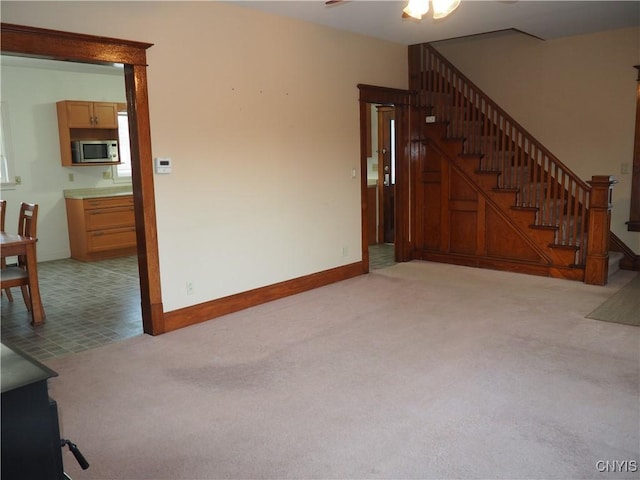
[401, 100]
[634, 208]
[58, 45]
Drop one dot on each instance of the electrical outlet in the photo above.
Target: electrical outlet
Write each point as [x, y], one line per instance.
[71, 177]
[189, 287]
[106, 175]
[345, 251]
[624, 168]
[18, 181]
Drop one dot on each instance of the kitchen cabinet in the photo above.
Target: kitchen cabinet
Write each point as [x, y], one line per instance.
[82, 120]
[81, 114]
[101, 227]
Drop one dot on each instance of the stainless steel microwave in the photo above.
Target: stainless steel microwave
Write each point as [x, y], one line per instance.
[95, 151]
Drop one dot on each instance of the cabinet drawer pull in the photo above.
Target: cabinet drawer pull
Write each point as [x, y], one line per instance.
[110, 210]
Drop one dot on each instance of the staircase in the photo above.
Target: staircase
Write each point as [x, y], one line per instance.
[504, 200]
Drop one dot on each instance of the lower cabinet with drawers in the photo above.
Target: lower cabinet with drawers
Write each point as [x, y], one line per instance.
[101, 227]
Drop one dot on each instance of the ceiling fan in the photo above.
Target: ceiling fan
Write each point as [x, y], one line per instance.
[417, 8]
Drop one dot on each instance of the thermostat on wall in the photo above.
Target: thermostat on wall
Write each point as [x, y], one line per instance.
[163, 164]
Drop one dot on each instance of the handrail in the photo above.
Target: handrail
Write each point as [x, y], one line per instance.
[503, 145]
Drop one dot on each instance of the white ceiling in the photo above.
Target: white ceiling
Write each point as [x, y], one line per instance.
[383, 19]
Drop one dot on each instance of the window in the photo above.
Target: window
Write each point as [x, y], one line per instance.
[122, 172]
[6, 153]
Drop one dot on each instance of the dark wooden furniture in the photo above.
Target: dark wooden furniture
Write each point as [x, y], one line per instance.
[31, 447]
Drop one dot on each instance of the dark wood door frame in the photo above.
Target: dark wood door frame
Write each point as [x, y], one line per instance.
[634, 208]
[57, 45]
[401, 100]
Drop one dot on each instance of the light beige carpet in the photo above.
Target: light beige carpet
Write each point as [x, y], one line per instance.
[416, 371]
[622, 307]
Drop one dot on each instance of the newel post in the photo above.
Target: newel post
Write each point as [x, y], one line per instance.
[597, 266]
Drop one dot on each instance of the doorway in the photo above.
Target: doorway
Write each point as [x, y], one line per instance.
[87, 303]
[56, 45]
[381, 179]
[385, 151]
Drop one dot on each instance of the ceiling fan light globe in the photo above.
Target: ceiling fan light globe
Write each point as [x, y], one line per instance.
[417, 8]
[442, 8]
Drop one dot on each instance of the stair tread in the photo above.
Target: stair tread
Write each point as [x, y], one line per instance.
[506, 190]
[564, 247]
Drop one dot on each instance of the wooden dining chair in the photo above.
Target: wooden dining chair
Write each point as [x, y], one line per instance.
[3, 260]
[3, 211]
[18, 276]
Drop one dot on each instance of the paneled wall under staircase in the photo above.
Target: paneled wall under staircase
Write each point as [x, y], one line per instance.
[486, 193]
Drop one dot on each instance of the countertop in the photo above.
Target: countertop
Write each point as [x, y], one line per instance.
[82, 193]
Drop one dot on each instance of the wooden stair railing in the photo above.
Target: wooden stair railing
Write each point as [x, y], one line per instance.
[560, 199]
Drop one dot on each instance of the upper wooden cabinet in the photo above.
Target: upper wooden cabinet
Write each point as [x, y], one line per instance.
[89, 114]
[82, 120]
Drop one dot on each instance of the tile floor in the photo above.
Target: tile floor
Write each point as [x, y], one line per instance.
[381, 255]
[87, 304]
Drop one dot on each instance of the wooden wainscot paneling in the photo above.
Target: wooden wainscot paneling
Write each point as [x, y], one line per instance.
[505, 242]
[463, 214]
[428, 193]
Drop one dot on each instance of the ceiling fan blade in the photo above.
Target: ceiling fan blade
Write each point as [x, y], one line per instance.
[331, 2]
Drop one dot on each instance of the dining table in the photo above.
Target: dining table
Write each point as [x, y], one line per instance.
[14, 245]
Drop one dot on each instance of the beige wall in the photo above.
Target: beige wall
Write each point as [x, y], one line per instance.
[576, 95]
[260, 116]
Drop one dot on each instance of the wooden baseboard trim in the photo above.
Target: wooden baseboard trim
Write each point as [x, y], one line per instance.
[202, 312]
[483, 262]
[507, 265]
